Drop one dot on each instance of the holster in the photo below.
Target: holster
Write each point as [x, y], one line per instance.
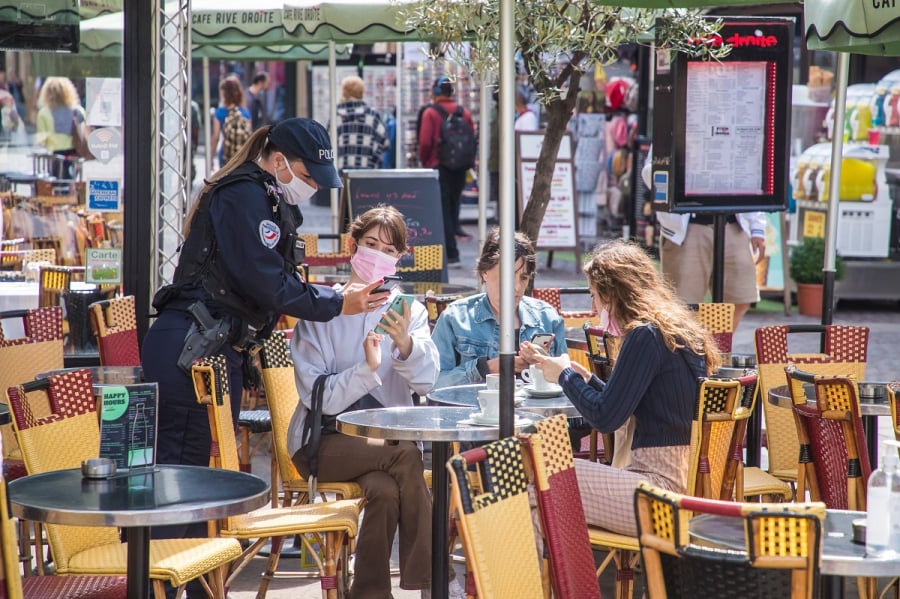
[204, 338]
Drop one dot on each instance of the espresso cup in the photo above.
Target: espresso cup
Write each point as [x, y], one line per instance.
[489, 402]
[492, 381]
[535, 377]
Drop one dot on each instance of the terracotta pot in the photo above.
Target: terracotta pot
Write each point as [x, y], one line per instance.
[809, 299]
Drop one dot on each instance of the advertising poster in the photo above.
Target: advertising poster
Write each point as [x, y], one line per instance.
[128, 424]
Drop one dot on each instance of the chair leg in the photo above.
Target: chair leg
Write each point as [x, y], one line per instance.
[25, 553]
[244, 448]
[274, 477]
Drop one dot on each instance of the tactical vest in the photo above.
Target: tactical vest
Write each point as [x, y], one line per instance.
[200, 264]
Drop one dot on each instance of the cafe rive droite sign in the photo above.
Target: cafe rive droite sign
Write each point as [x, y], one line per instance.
[256, 22]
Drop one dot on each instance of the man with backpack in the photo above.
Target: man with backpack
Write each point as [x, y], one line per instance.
[447, 142]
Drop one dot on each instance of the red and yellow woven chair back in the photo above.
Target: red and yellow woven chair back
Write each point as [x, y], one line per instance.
[494, 521]
[114, 323]
[553, 296]
[782, 545]
[428, 264]
[572, 570]
[845, 352]
[316, 258]
[720, 418]
[718, 319]
[57, 427]
[40, 350]
[834, 459]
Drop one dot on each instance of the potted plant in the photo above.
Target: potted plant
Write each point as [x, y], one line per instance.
[806, 269]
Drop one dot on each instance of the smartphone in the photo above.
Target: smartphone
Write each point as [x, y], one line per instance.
[389, 284]
[397, 306]
[543, 340]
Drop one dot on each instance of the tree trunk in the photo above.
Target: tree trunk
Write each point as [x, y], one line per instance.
[558, 114]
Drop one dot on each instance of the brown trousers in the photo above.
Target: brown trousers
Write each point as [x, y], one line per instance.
[392, 477]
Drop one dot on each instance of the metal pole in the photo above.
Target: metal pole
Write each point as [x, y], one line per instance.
[399, 137]
[834, 192]
[332, 132]
[207, 123]
[507, 217]
[484, 176]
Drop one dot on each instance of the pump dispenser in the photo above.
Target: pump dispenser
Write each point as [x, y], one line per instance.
[883, 504]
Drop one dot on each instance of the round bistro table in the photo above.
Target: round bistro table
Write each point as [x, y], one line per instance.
[136, 501]
[841, 556]
[467, 396]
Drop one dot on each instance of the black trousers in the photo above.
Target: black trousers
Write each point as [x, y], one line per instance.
[452, 184]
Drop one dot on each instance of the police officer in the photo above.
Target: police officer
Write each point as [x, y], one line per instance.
[237, 274]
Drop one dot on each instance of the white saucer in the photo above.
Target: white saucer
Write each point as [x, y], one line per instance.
[478, 419]
[553, 391]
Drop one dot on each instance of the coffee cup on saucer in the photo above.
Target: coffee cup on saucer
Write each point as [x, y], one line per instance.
[535, 377]
[489, 402]
[492, 381]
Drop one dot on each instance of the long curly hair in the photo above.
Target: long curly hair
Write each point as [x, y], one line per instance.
[57, 92]
[625, 279]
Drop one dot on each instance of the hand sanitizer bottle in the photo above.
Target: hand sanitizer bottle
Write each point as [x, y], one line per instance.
[883, 505]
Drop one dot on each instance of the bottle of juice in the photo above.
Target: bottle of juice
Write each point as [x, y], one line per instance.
[876, 107]
[863, 121]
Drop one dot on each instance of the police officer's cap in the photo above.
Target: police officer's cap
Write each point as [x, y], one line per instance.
[308, 140]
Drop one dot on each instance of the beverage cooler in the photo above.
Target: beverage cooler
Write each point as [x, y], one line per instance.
[865, 212]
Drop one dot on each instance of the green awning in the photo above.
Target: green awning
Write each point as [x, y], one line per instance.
[857, 26]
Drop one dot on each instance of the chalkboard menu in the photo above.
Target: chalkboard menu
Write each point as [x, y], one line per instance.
[414, 192]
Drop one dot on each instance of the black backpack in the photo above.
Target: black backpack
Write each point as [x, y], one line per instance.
[457, 146]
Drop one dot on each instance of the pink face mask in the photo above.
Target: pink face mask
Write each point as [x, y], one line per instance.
[372, 265]
[609, 323]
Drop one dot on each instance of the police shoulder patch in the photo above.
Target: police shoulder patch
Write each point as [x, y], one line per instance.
[269, 233]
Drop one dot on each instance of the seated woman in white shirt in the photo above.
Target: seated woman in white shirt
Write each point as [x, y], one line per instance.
[367, 369]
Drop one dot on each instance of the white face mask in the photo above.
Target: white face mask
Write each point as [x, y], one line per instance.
[296, 191]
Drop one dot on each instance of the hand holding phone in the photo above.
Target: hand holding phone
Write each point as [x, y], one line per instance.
[388, 285]
[397, 307]
[543, 341]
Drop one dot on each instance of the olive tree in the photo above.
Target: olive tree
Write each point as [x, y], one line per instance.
[557, 41]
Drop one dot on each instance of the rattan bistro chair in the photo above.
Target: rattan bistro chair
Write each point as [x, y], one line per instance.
[563, 524]
[845, 351]
[834, 460]
[718, 319]
[13, 586]
[40, 350]
[428, 264]
[781, 556]
[281, 394]
[114, 323]
[57, 426]
[316, 258]
[494, 521]
[553, 296]
[331, 526]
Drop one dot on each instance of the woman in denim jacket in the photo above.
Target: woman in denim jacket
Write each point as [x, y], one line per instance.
[467, 334]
